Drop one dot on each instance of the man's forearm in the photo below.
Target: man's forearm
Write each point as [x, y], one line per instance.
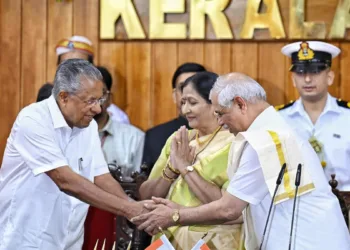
[81, 188]
[216, 212]
[110, 185]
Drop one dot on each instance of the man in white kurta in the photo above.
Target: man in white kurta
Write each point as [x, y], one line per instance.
[263, 143]
[52, 157]
[319, 223]
[33, 210]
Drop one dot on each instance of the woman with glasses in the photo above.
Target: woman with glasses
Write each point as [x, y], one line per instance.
[200, 177]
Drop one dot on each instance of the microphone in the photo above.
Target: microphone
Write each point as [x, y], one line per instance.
[297, 184]
[278, 182]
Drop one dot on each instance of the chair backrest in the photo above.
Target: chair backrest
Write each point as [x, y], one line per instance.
[344, 199]
[126, 232]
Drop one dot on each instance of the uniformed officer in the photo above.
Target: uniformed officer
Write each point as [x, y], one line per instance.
[316, 115]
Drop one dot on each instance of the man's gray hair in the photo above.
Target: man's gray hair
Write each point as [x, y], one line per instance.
[237, 84]
[69, 74]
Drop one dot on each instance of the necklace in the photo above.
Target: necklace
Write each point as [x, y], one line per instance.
[200, 143]
[206, 141]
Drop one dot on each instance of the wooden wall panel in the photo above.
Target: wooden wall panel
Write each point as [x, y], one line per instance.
[335, 88]
[164, 64]
[138, 78]
[10, 65]
[86, 22]
[34, 49]
[344, 71]
[244, 58]
[60, 26]
[290, 91]
[190, 52]
[271, 74]
[217, 57]
[112, 56]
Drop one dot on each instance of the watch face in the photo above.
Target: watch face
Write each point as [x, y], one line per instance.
[190, 168]
[176, 217]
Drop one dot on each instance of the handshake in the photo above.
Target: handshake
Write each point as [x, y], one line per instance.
[153, 215]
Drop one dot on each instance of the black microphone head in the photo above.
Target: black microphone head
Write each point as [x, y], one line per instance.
[280, 175]
[298, 175]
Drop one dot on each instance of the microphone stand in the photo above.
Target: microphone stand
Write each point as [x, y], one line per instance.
[278, 182]
[297, 184]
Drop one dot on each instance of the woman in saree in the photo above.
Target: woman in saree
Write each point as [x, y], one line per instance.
[202, 177]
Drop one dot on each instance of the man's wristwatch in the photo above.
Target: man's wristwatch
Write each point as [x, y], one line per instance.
[187, 170]
[176, 216]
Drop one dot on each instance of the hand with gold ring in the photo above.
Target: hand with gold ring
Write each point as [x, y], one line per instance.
[155, 221]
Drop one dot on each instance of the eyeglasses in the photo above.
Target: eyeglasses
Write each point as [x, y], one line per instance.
[93, 101]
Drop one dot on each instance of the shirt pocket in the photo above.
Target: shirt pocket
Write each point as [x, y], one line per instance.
[337, 150]
[85, 167]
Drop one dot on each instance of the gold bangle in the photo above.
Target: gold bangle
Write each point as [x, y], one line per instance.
[170, 173]
[175, 171]
[164, 175]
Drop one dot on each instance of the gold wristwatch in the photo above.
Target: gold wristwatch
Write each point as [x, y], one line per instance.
[176, 215]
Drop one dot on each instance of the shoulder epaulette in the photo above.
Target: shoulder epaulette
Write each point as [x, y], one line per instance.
[343, 104]
[284, 106]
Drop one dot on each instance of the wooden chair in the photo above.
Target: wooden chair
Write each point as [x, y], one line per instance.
[344, 199]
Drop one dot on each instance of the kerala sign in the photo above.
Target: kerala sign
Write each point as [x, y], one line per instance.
[224, 19]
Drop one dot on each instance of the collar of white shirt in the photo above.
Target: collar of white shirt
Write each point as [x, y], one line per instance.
[331, 106]
[56, 114]
[265, 118]
[108, 127]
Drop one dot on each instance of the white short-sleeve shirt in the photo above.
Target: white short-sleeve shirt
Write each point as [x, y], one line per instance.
[122, 145]
[318, 222]
[34, 213]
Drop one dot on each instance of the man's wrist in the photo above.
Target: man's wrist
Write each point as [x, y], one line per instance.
[133, 210]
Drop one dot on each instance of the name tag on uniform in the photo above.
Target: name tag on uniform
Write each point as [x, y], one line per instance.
[336, 136]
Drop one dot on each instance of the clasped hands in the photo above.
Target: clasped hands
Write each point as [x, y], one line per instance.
[156, 216]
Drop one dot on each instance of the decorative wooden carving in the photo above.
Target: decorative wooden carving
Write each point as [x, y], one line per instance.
[343, 197]
[126, 232]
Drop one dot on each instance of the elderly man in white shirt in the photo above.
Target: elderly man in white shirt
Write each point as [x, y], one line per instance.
[53, 166]
[264, 143]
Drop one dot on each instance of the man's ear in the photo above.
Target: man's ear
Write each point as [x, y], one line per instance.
[293, 79]
[240, 103]
[330, 77]
[63, 97]
[174, 95]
